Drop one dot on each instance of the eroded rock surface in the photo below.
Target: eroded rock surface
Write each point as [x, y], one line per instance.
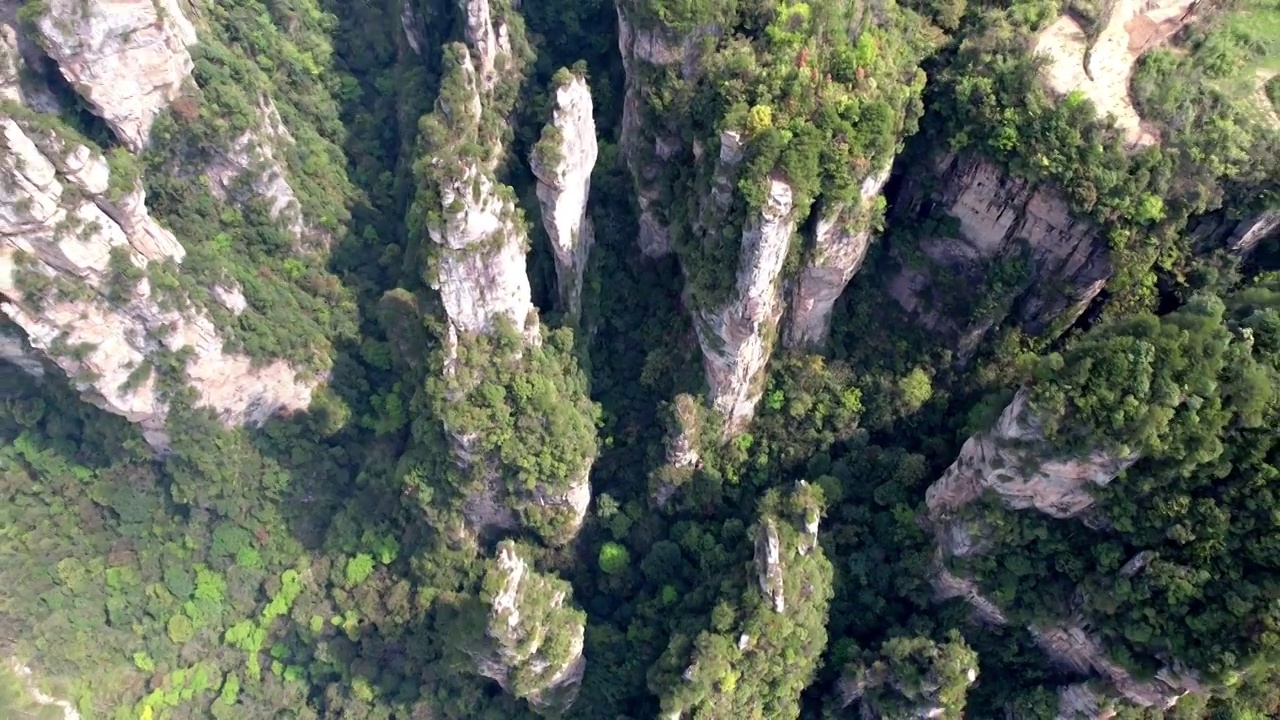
[841, 239]
[737, 338]
[1001, 218]
[648, 142]
[769, 565]
[489, 37]
[65, 229]
[1010, 459]
[1013, 461]
[563, 161]
[533, 636]
[480, 272]
[127, 58]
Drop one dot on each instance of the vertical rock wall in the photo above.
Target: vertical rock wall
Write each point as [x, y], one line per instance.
[533, 637]
[563, 161]
[1000, 218]
[127, 58]
[648, 141]
[840, 241]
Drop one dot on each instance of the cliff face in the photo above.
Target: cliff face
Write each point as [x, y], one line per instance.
[478, 266]
[76, 236]
[738, 337]
[127, 58]
[562, 162]
[1012, 461]
[533, 637]
[648, 142]
[1001, 219]
[480, 271]
[840, 241]
[73, 244]
[1007, 460]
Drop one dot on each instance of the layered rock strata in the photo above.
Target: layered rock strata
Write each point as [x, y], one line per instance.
[1012, 461]
[998, 218]
[737, 338]
[562, 161]
[74, 243]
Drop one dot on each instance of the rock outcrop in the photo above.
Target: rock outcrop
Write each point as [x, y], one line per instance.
[1013, 462]
[685, 426]
[1072, 647]
[1010, 460]
[648, 141]
[489, 38]
[15, 350]
[480, 271]
[840, 241]
[735, 669]
[74, 245]
[127, 58]
[1001, 219]
[769, 568]
[737, 338]
[562, 161]
[533, 637]
[409, 23]
[477, 263]
[912, 678]
[250, 167]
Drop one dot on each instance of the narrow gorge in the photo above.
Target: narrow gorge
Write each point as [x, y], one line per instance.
[494, 360]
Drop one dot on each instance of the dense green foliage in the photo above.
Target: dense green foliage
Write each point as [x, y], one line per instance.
[522, 414]
[821, 94]
[908, 674]
[1194, 393]
[323, 566]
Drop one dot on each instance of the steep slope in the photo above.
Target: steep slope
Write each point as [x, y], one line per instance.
[497, 377]
[562, 161]
[1056, 451]
[80, 238]
[533, 637]
[728, 192]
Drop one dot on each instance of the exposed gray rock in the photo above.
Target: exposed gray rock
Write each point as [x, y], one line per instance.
[1000, 217]
[251, 163]
[769, 568]
[489, 37]
[841, 239]
[127, 58]
[737, 338]
[61, 221]
[409, 22]
[563, 161]
[1009, 459]
[533, 638]
[647, 143]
